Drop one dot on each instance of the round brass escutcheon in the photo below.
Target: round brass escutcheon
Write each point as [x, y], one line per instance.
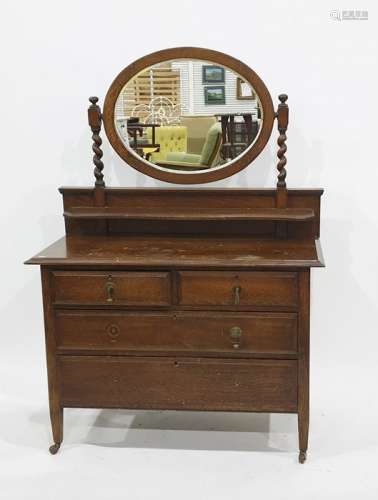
[113, 332]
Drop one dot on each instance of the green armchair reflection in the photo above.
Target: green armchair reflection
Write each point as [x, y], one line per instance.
[208, 158]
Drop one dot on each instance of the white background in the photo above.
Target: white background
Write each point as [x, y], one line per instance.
[53, 56]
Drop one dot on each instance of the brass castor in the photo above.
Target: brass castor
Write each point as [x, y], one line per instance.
[302, 457]
[54, 448]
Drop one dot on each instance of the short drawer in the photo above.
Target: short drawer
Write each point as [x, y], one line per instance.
[123, 288]
[274, 333]
[178, 383]
[251, 288]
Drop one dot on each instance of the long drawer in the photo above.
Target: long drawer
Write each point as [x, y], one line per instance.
[178, 383]
[225, 288]
[181, 332]
[116, 288]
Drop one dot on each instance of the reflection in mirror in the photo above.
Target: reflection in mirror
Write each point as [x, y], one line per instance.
[188, 115]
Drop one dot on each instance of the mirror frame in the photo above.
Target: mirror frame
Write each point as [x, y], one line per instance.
[212, 56]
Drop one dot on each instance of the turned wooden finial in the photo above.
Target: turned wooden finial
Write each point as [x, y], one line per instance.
[283, 120]
[94, 120]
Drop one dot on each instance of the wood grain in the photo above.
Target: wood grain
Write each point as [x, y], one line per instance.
[53, 372]
[253, 214]
[186, 332]
[129, 288]
[179, 383]
[268, 289]
[145, 314]
[304, 363]
[155, 251]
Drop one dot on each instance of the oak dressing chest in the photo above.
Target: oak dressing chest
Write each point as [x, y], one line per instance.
[183, 298]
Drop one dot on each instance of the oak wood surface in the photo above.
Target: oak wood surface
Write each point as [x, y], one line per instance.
[188, 332]
[179, 383]
[282, 123]
[122, 211]
[95, 121]
[53, 367]
[181, 314]
[304, 363]
[176, 251]
[255, 288]
[253, 214]
[131, 288]
[182, 299]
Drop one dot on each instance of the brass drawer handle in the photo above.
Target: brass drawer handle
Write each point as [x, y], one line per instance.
[237, 291]
[235, 336]
[109, 287]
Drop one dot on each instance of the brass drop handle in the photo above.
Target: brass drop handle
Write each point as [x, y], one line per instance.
[109, 287]
[237, 291]
[235, 336]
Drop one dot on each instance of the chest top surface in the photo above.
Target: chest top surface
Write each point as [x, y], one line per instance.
[179, 252]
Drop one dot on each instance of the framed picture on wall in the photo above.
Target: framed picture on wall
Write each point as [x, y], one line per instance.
[212, 74]
[215, 95]
[243, 90]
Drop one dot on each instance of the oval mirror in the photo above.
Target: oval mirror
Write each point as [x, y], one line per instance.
[188, 115]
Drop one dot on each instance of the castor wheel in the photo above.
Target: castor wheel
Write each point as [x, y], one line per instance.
[54, 448]
[302, 457]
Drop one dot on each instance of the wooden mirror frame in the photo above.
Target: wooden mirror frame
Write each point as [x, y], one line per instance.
[189, 53]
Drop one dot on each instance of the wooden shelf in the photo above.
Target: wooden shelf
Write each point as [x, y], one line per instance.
[201, 214]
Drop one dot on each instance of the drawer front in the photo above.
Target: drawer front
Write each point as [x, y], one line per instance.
[123, 288]
[186, 332]
[183, 383]
[222, 288]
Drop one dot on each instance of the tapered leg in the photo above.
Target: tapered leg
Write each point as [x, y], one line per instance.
[53, 374]
[56, 417]
[303, 363]
[303, 424]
